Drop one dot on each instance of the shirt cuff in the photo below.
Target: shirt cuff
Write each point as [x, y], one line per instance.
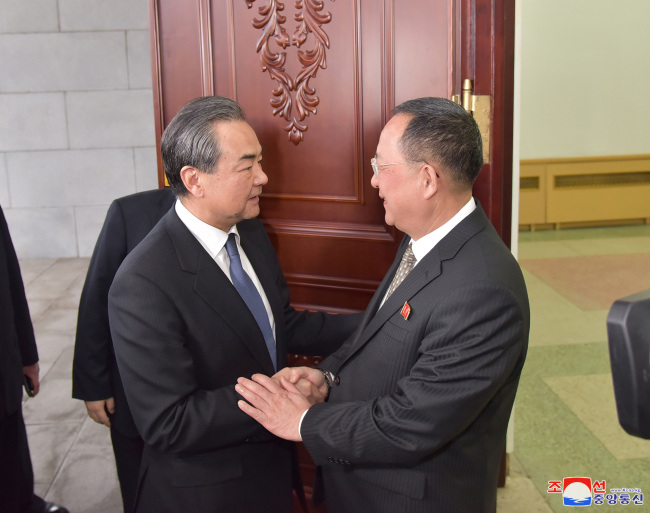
[301, 419]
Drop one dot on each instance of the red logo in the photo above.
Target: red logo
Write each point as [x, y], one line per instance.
[406, 310]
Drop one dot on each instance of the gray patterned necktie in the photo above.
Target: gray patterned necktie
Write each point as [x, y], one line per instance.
[405, 266]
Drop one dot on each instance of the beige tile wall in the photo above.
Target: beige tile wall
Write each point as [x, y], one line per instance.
[76, 118]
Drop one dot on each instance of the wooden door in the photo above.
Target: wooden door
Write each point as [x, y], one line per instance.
[318, 80]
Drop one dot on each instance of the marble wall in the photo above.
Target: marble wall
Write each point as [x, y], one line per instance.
[76, 118]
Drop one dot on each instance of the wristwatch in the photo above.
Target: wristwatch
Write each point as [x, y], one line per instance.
[330, 379]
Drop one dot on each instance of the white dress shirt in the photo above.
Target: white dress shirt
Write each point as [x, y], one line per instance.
[214, 241]
[423, 245]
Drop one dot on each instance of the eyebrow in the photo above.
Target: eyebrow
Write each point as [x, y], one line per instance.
[251, 156]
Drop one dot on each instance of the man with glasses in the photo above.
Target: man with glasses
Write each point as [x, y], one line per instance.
[418, 400]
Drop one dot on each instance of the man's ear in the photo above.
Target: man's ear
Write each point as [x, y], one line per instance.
[431, 180]
[192, 180]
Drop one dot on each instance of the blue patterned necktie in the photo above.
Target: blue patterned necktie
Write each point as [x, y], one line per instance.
[250, 295]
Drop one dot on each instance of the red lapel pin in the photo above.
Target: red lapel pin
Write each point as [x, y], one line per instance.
[406, 310]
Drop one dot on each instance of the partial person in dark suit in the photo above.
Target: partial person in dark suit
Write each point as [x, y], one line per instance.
[419, 398]
[200, 301]
[95, 377]
[18, 359]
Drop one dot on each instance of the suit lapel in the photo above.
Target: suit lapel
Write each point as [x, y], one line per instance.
[212, 285]
[420, 276]
[424, 272]
[373, 306]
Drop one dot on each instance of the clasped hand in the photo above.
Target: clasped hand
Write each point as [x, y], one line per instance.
[278, 403]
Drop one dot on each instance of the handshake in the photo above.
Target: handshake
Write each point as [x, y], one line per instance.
[280, 402]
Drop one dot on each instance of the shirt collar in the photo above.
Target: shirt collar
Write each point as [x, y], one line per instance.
[423, 245]
[212, 239]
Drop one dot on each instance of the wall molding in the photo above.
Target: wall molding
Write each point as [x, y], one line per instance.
[584, 191]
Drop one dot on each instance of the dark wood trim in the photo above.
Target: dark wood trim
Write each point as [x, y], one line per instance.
[156, 80]
[493, 65]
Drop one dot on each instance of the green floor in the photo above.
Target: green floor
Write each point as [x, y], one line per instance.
[565, 418]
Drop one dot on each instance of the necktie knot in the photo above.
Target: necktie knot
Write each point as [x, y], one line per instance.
[231, 245]
[409, 257]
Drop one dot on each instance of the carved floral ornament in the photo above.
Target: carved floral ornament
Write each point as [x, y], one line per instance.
[310, 20]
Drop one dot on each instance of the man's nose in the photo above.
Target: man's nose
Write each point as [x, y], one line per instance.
[261, 178]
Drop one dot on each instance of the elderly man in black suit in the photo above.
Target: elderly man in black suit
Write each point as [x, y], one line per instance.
[18, 362]
[419, 399]
[95, 377]
[200, 301]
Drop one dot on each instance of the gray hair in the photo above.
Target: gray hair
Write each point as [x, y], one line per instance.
[190, 139]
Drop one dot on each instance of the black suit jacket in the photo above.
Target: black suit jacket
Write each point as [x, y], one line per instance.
[17, 342]
[94, 372]
[419, 420]
[182, 337]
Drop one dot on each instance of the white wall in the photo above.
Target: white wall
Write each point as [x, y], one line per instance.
[76, 118]
[585, 78]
